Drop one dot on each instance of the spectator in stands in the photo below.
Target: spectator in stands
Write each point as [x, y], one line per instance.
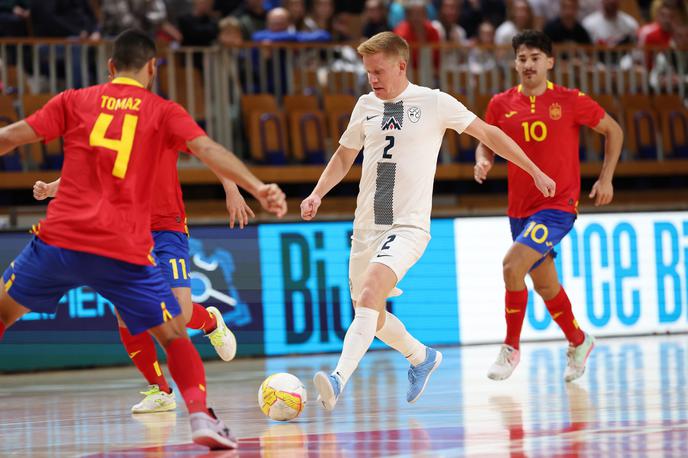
[252, 17]
[281, 29]
[147, 15]
[520, 19]
[544, 11]
[230, 34]
[71, 19]
[610, 26]
[226, 8]
[481, 58]
[566, 28]
[63, 18]
[297, 11]
[200, 27]
[475, 12]
[416, 29]
[176, 9]
[14, 15]
[375, 18]
[321, 16]
[658, 32]
[669, 70]
[397, 12]
[447, 24]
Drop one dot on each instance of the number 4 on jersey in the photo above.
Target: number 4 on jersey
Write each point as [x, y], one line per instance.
[122, 146]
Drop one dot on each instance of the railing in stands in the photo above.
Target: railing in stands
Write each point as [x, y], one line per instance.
[210, 81]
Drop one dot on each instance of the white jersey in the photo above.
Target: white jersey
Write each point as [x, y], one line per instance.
[401, 139]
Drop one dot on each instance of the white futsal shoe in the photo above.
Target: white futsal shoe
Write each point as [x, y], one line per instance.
[222, 338]
[576, 357]
[208, 430]
[506, 362]
[155, 400]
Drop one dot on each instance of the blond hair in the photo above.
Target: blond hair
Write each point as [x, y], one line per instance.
[388, 43]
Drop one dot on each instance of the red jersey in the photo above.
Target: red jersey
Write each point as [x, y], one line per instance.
[547, 128]
[115, 135]
[167, 207]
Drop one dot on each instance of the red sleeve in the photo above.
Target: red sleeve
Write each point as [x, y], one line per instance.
[181, 128]
[587, 111]
[50, 121]
[491, 114]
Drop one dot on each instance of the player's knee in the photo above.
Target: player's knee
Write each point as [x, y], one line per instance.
[369, 297]
[546, 291]
[512, 271]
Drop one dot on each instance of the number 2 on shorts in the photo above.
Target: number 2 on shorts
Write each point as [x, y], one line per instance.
[389, 240]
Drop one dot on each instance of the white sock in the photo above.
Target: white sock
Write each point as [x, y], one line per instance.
[394, 334]
[357, 340]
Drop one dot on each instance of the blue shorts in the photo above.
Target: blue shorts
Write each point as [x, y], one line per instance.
[43, 273]
[542, 231]
[172, 252]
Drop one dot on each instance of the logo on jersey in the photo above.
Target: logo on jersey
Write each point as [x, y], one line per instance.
[414, 114]
[393, 116]
[555, 111]
[510, 114]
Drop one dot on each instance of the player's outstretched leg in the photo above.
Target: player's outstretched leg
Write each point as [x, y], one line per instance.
[424, 360]
[546, 283]
[509, 354]
[357, 340]
[187, 370]
[210, 321]
[580, 343]
[158, 397]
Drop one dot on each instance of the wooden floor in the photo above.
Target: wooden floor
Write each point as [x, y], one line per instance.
[631, 402]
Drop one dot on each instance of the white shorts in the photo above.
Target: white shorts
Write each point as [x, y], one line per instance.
[398, 248]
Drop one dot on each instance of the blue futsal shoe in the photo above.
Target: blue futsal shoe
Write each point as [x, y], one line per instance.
[329, 387]
[419, 375]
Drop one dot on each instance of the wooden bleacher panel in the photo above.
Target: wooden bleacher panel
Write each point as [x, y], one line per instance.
[43, 156]
[8, 115]
[641, 125]
[265, 126]
[306, 128]
[338, 108]
[342, 83]
[673, 117]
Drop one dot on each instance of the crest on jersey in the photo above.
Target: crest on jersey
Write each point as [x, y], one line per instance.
[555, 111]
[414, 114]
[393, 116]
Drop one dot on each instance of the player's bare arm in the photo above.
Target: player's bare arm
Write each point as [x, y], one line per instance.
[16, 134]
[225, 164]
[484, 160]
[237, 208]
[603, 190]
[336, 170]
[500, 143]
[43, 190]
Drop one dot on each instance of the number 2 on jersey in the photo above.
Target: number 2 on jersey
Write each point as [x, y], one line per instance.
[122, 146]
[390, 144]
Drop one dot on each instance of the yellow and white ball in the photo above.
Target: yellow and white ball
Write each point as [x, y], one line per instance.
[282, 396]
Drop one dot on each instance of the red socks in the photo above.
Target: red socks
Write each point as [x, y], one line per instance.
[515, 312]
[187, 370]
[560, 309]
[202, 319]
[2, 329]
[141, 350]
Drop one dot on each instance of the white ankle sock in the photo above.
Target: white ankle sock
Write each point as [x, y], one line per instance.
[394, 334]
[358, 338]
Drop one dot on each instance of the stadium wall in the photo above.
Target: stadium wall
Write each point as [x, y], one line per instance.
[283, 288]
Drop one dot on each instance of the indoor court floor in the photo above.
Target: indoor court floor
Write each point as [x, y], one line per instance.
[631, 402]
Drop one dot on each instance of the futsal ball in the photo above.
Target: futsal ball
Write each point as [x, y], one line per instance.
[282, 397]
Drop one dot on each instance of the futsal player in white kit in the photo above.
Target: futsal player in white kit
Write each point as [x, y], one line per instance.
[400, 127]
